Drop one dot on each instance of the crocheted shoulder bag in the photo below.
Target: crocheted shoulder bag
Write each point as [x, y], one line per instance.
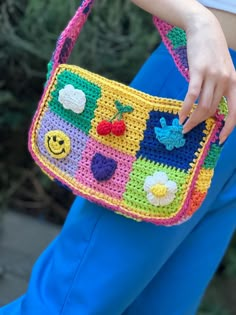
[117, 146]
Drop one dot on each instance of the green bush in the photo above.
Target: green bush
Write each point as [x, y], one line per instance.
[114, 43]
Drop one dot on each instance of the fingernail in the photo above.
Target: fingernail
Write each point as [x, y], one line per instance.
[184, 131]
[181, 119]
[222, 140]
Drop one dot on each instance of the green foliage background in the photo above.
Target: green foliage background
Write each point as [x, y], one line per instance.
[115, 43]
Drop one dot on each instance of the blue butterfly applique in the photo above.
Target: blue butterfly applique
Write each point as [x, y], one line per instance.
[171, 136]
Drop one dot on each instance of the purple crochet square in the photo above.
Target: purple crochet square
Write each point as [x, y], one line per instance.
[182, 53]
[78, 140]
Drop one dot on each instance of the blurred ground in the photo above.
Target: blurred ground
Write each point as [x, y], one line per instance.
[22, 239]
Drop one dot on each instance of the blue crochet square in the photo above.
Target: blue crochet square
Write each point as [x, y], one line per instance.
[153, 150]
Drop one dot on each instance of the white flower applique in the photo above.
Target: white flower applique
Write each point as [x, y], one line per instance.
[72, 99]
[160, 190]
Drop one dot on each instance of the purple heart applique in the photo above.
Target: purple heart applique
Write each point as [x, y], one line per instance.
[103, 168]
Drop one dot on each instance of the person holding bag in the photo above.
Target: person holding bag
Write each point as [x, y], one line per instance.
[106, 264]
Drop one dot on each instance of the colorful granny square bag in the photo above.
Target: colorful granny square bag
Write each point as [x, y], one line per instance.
[117, 146]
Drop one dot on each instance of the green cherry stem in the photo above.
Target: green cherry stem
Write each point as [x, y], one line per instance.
[121, 110]
[114, 117]
[120, 116]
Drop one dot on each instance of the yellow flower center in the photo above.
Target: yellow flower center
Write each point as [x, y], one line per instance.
[159, 190]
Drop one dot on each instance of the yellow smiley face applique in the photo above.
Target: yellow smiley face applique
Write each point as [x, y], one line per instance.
[57, 144]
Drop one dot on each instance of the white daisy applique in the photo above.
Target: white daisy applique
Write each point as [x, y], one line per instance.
[72, 99]
[160, 190]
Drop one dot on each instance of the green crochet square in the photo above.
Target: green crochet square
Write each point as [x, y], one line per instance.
[177, 37]
[92, 92]
[135, 196]
[212, 157]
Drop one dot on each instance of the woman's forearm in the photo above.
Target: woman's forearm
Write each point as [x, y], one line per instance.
[181, 13]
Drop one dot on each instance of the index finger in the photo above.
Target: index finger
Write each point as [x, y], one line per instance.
[192, 95]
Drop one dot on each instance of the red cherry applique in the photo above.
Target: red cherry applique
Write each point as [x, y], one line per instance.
[115, 125]
[118, 128]
[104, 128]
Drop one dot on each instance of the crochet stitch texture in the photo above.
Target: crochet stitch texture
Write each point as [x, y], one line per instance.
[111, 170]
[120, 147]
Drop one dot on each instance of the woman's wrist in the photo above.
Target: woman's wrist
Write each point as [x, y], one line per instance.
[199, 20]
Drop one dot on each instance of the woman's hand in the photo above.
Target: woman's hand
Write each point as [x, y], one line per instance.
[212, 73]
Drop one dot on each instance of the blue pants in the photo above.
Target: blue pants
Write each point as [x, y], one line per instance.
[105, 264]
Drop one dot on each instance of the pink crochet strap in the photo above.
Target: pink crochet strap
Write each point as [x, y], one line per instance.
[175, 40]
[70, 34]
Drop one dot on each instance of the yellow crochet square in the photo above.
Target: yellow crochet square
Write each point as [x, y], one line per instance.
[204, 179]
[135, 122]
